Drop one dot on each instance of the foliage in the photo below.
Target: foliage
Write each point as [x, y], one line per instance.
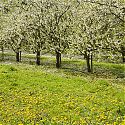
[85, 27]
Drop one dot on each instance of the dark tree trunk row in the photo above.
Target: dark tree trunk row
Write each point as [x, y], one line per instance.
[18, 56]
[123, 53]
[58, 59]
[38, 53]
[89, 62]
[38, 57]
[123, 57]
[2, 48]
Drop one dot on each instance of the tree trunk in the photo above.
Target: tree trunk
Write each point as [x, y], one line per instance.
[123, 53]
[17, 56]
[38, 57]
[20, 56]
[58, 59]
[88, 63]
[123, 57]
[91, 63]
[2, 53]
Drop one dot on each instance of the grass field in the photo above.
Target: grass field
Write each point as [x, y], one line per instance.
[32, 95]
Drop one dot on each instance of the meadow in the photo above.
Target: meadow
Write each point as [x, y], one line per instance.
[44, 95]
[62, 62]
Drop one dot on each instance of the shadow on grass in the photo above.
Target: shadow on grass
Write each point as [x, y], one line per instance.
[74, 66]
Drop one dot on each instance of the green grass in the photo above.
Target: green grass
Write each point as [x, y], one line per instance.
[73, 66]
[31, 95]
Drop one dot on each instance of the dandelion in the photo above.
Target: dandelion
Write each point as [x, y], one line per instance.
[123, 122]
[20, 124]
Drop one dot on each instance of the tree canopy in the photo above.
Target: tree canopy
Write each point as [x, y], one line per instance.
[85, 27]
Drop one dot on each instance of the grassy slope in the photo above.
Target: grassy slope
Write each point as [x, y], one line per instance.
[31, 95]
